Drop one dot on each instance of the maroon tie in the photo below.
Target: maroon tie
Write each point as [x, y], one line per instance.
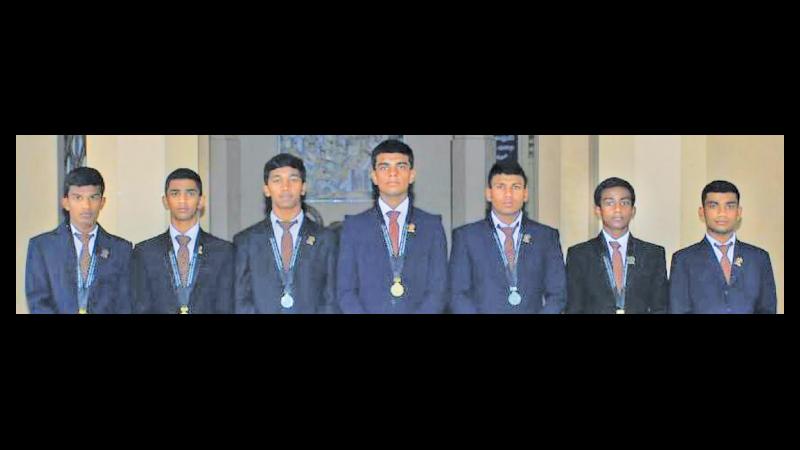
[725, 262]
[509, 245]
[394, 231]
[183, 258]
[287, 245]
[617, 264]
[84, 256]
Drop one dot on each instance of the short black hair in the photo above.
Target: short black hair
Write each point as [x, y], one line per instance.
[391, 146]
[720, 187]
[506, 168]
[278, 162]
[612, 183]
[284, 160]
[84, 176]
[184, 174]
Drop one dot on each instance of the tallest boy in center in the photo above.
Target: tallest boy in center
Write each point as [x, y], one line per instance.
[393, 257]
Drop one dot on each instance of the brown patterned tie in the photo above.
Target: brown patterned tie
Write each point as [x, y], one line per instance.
[85, 257]
[509, 245]
[287, 244]
[616, 263]
[394, 231]
[725, 262]
[183, 258]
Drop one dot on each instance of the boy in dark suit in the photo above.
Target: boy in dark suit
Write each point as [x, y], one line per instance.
[721, 274]
[507, 263]
[185, 270]
[79, 267]
[393, 257]
[615, 272]
[285, 264]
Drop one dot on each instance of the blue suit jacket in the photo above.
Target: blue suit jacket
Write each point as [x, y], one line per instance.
[51, 274]
[364, 269]
[152, 278]
[697, 283]
[478, 281]
[258, 283]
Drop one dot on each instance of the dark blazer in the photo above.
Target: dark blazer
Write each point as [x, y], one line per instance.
[258, 283]
[697, 283]
[153, 285]
[51, 274]
[589, 290]
[478, 282]
[364, 268]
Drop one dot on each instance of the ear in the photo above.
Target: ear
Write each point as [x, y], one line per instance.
[164, 202]
[102, 203]
[65, 203]
[201, 206]
[598, 211]
[633, 213]
[266, 191]
[489, 195]
[374, 176]
[701, 215]
[304, 189]
[527, 195]
[412, 176]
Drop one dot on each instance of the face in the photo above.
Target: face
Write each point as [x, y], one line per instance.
[393, 174]
[507, 194]
[84, 204]
[183, 200]
[616, 209]
[285, 188]
[721, 212]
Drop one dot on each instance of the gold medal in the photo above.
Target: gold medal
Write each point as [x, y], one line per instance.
[83, 311]
[397, 288]
[184, 309]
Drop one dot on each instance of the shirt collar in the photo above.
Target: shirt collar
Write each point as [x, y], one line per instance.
[714, 242]
[402, 208]
[276, 220]
[623, 241]
[496, 220]
[192, 232]
[91, 233]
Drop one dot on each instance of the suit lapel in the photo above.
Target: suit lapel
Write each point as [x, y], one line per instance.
[100, 249]
[737, 271]
[166, 248]
[632, 255]
[491, 244]
[601, 255]
[69, 264]
[713, 263]
[267, 258]
[201, 263]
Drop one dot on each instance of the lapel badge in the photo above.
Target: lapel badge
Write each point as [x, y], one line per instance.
[527, 239]
[739, 262]
[631, 260]
[104, 253]
[412, 228]
[311, 240]
[200, 250]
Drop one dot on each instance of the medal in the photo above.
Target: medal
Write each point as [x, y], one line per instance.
[184, 310]
[287, 301]
[397, 288]
[82, 311]
[514, 298]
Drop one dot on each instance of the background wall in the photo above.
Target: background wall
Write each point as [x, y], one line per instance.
[668, 172]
